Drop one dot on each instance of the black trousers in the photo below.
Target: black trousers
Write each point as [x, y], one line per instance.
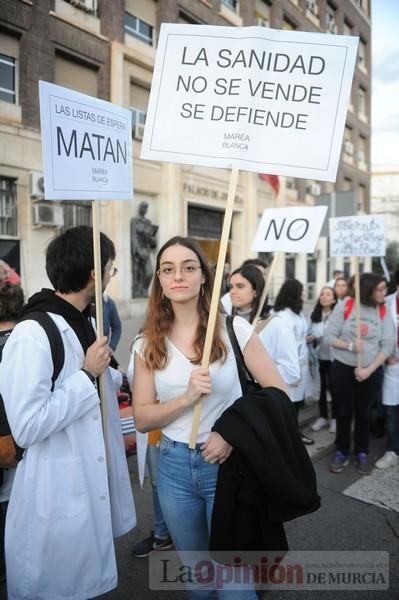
[352, 399]
[325, 384]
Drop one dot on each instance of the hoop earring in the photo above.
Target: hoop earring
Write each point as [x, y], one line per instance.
[202, 289]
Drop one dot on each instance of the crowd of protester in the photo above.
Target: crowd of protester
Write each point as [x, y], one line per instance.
[47, 414]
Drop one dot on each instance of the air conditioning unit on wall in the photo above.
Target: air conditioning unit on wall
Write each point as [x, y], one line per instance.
[47, 214]
[36, 184]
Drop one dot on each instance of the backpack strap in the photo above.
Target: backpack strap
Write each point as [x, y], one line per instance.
[382, 309]
[243, 373]
[54, 338]
[348, 307]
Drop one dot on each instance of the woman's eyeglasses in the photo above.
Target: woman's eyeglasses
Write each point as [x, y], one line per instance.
[172, 270]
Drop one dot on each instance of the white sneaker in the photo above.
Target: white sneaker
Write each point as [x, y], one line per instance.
[319, 424]
[389, 459]
[333, 426]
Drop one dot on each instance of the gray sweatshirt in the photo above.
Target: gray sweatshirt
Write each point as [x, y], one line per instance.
[378, 334]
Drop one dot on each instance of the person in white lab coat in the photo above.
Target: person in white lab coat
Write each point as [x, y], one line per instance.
[390, 390]
[288, 306]
[65, 506]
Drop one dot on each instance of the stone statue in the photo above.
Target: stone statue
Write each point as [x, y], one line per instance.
[143, 242]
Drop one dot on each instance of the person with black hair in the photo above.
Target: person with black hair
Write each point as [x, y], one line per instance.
[260, 265]
[318, 322]
[390, 390]
[355, 388]
[246, 288]
[11, 302]
[66, 505]
[288, 306]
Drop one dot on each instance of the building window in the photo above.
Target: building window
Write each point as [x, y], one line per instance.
[362, 153]
[139, 29]
[347, 268]
[290, 267]
[288, 25]
[347, 28]
[363, 5]
[348, 144]
[311, 270]
[331, 22]
[138, 122]
[262, 15]
[362, 104]
[89, 6]
[348, 186]
[311, 6]
[7, 79]
[76, 213]
[362, 56]
[8, 207]
[74, 75]
[361, 199]
[232, 4]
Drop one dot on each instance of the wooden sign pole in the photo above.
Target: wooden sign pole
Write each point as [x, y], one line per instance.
[357, 306]
[99, 307]
[266, 289]
[215, 295]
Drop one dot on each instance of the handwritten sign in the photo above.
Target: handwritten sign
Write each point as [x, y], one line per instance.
[87, 146]
[251, 98]
[293, 229]
[362, 235]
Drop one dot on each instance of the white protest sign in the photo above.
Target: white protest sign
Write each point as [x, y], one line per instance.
[362, 235]
[293, 229]
[87, 146]
[250, 98]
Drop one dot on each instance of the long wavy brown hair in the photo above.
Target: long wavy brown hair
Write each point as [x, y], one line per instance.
[160, 315]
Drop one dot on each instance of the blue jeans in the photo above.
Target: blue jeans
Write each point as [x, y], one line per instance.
[186, 487]
[392, 427]
[160, 528]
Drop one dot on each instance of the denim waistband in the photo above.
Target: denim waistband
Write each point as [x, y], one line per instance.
[180, 444]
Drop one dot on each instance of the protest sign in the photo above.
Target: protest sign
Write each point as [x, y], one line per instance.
[86, 144]
[293, 229]
[252, 98]
[87, 155]
[361, 235]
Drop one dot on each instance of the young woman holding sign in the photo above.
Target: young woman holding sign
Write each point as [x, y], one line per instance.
[355, 387]
[168, 381]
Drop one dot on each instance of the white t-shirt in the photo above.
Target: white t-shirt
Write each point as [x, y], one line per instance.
[173, 381]
[227, 303]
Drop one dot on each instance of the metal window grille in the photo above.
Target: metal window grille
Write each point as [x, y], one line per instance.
[8, 207]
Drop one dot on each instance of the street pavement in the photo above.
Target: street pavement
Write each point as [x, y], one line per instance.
[342, 523]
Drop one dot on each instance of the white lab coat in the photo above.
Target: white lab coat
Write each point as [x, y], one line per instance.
[279, 340]
[390, 390]
[64, 511]
[299, 326]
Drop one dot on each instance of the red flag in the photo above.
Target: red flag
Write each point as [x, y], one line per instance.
[272, 180]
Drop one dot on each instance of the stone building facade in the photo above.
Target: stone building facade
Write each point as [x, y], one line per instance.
[107, 49]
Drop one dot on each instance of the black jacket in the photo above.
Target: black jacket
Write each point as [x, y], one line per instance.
[268, 478]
